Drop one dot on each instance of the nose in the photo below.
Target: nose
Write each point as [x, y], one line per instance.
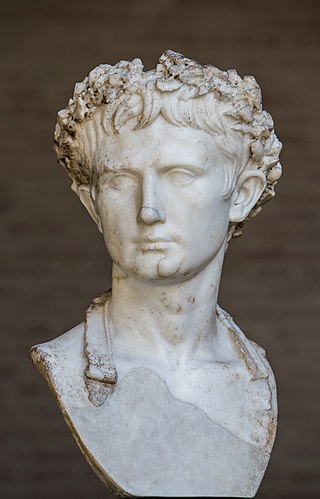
[150, 211]
[148, 215]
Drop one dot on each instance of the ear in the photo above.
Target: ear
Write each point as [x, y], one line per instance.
[85, 194]
[249, 188]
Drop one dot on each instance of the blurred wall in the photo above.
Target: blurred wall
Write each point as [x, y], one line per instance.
[53, 260]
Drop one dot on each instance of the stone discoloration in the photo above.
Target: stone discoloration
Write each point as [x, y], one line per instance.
[128, 438]
[133, 423]
[169, 164]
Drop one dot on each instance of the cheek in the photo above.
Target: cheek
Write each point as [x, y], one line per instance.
[209, 218]
[116, 220]
[117, 203]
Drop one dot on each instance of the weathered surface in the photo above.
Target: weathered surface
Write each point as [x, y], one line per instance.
[169, 163]
[147, 439]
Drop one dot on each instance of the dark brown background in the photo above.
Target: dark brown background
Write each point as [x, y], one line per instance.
[53, 261]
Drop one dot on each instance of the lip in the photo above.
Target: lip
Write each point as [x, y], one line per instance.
[155, 240]
[152, 240]
[154, 244]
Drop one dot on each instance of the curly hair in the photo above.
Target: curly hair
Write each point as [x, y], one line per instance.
[185, 94]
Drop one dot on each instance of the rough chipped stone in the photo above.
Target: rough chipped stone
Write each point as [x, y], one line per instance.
[162, 391]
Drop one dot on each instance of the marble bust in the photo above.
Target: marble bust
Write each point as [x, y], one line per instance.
[162, 391]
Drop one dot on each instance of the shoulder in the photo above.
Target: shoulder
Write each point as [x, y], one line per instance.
[261, 393]
[252, 354]
[61, 362]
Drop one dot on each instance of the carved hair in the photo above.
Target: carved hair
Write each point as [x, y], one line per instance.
[185, 94]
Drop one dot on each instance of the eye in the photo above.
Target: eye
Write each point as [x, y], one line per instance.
[180, 176]
[122, 181]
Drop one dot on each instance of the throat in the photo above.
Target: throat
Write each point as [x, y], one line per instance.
[171, 324]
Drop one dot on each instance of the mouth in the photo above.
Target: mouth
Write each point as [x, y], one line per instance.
[154, 244]
[160, 246]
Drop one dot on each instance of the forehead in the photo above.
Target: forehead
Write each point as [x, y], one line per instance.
[161, 143]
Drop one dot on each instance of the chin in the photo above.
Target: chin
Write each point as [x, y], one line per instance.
[154, 270]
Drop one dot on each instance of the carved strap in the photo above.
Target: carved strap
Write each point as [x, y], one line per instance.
[100, 374]
[247, 349]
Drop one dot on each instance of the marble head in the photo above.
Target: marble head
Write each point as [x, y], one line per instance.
[125, 99]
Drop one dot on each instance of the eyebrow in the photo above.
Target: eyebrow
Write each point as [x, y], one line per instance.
[123, 168]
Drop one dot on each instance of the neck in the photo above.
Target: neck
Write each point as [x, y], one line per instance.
[174, 323]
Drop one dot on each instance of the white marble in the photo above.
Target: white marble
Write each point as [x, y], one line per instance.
[162, 391]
